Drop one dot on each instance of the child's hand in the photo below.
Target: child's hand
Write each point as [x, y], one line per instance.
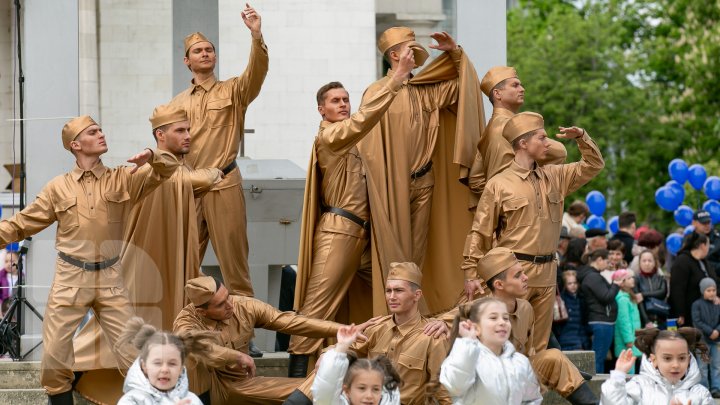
[346, 336]
[714, 335]
[625, 361]
[185, 401]
[466, 329]
[676, 401]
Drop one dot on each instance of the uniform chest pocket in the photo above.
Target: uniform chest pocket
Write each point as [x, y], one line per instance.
[411, 368]
[219, 112]
[517, 212]
[66, 212]
[116, 202]
[555, 206]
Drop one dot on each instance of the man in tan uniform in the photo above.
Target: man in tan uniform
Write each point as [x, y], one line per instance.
[426, 140]
[216, 110]
[228, 373]
[336, 220]
[507, 281]
[416, 356]
[521, 209]
[90, 205]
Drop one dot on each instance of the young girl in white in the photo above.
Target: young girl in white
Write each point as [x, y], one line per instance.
[343, 379]
[668, 371]
[158, 376]
[482, 366]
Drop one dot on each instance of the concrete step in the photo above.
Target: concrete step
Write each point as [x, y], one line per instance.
[553, 398]
[584, 360]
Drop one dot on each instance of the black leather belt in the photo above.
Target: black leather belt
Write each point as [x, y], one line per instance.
[230, 167]
[535, 259]
[349, 215]
[421, 171]
[89, 266]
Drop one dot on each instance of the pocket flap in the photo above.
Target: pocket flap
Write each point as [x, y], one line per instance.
[411, 362]
[218, 104]
[66, 204]
[515, 204]
[117, 196]
[555, 197]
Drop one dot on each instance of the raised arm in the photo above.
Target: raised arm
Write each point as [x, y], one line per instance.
[152, 168]
[576, 175]
[268, 317]
[37, 216]
[248, 84]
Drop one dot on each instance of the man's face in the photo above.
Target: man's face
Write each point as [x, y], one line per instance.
[91, 141]
[515, 283]
[538, 145]
[702, 228]
[201, 57]
[176, 138]
[400, 297]
[597, 242]
[513, 94]
[336, 106]
[219, 308]
[615, 257]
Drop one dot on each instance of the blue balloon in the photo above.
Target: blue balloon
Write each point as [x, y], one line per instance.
[596, 202]
[13, 247]
[613, 224]
[678, 188]
[667, 198]
[595, 222]
[683, 215]
[697, 176]
[673, 243]
[712, 187]
[688, 229]
[713, 207]
[678, 170]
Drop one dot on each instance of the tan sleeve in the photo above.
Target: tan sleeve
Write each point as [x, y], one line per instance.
[479, 239]
[161, 167]
[477, 180]
[37, 216]
[447, 92]
[436, 355]
[203, 180]
[576, 175]
[267, 317]
[341, 136]
[247, 85]
[218, 356]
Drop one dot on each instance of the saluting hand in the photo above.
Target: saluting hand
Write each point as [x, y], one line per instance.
[445, 42]
[405, 65]
[570, 133]
[252, 20]
[140, 159]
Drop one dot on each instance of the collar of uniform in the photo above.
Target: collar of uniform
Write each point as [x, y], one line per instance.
[391, 73]
[514, 312]
[324, 124]
[206, 85]
[502, 112]
[409, 325]
[521, 171]
[98, 170]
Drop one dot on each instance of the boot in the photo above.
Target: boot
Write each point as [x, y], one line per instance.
[66, 398]
[254, 351]
[205, 397]
[585, 376]
[582, 396]
[76, 380]
[297, 398]
[298, 366]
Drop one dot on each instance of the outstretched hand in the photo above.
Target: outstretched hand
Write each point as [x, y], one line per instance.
[252, 20]
[445, 42]
[346, 335]
[570, 132]
[140, 159]
[467, 329]
[625, 361]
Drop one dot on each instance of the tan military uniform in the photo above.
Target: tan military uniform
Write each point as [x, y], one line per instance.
[216, 110]
[329, 262]
[91, 208]
[524, 209]
[219, 372]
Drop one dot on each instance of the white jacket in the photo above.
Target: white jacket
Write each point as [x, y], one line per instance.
[138, 390]
[651, 388]
[473, 374]
[327, 387]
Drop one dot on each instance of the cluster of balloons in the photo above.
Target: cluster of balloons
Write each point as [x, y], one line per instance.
[597, 204]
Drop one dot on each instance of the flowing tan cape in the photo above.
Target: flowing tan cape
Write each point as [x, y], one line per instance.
[459, 131]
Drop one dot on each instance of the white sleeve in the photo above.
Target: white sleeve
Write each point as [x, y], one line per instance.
[531, 390]
[616, 391]
[327, 387]
[457, 373]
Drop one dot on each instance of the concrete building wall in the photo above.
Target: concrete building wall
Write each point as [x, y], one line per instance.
[8, 87]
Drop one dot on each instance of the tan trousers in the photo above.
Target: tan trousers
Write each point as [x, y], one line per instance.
[337, 257]
[542, 300]
[65, 309]
[222, 220]
[555, 371]
[259, 390]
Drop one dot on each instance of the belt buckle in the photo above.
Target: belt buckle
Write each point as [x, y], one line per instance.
[538, 259]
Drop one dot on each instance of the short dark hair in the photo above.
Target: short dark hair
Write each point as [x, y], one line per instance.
[616, 244]
[626, 219]
[498, 86]
[596, 254]
[320, 96]
[163, 128]
[502, 276]
[218, 283]
[578, 207]
[523, 137]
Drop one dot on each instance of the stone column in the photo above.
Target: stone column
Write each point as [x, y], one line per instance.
[89, 82]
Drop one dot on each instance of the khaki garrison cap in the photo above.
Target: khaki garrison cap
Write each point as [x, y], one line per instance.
[167, 114]
[200, 290]
[495, 262]
[398, 35]
[494, 76]
[73, 128]
[406, 271]
[193, 39]
[521, 124]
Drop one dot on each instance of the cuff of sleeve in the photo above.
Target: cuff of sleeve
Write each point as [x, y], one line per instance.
[456, 54]
[470, 274]
[394, 86]
[586, 137]
[617, 375]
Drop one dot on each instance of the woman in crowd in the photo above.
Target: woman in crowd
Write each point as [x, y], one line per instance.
[687, 270]
[651, 284]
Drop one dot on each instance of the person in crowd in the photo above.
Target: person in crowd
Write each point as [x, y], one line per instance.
[572, 334]
[344, 379]
[687, 270]
[483, 366]
[573, 259]
[628, 314]
[562, 246]
[158, 375]
[706, 317]
[702, 223]
[650, 283]
[596, 238]
[616, 255]
[668, 373]
[654, 241]
[599, 296]
[575, 216]
[626, 229]
[9, 275]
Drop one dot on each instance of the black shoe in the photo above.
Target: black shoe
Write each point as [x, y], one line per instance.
[254, 351]
[77, 375]
[66, 398]
[205, 397]
[585, 376]
[715, 394]
[298, 366]
[297, 398]
[582, 396]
